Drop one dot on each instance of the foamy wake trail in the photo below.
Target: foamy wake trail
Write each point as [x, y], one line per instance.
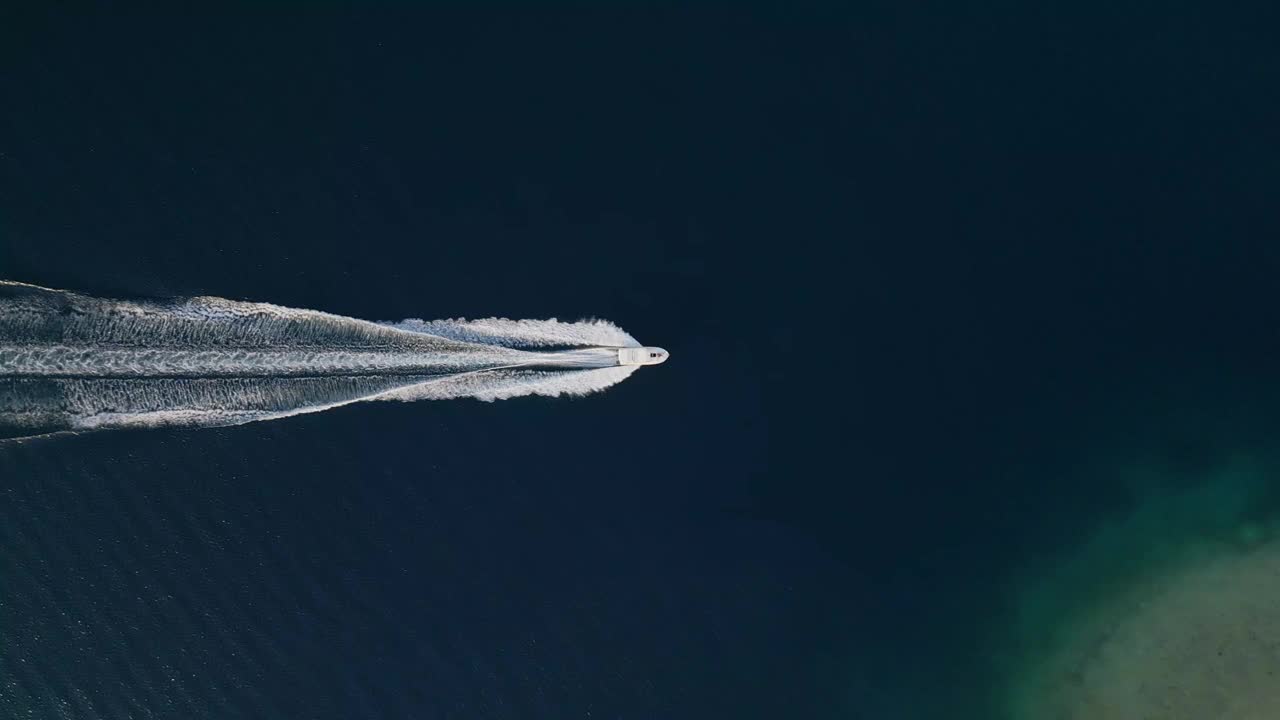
[525, 333]
[70, 361]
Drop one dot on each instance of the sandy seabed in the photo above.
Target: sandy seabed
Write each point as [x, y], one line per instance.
[1196, 641]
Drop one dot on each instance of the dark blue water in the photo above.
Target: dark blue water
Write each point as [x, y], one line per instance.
[908, 262]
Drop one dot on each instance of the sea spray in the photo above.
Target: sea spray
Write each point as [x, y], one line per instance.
[70, 361]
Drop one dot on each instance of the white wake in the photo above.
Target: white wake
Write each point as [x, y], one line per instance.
[69, 361]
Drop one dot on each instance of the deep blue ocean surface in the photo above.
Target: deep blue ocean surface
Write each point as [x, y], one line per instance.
[916, 268]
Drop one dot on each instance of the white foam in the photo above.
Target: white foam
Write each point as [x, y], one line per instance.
[73, 361]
